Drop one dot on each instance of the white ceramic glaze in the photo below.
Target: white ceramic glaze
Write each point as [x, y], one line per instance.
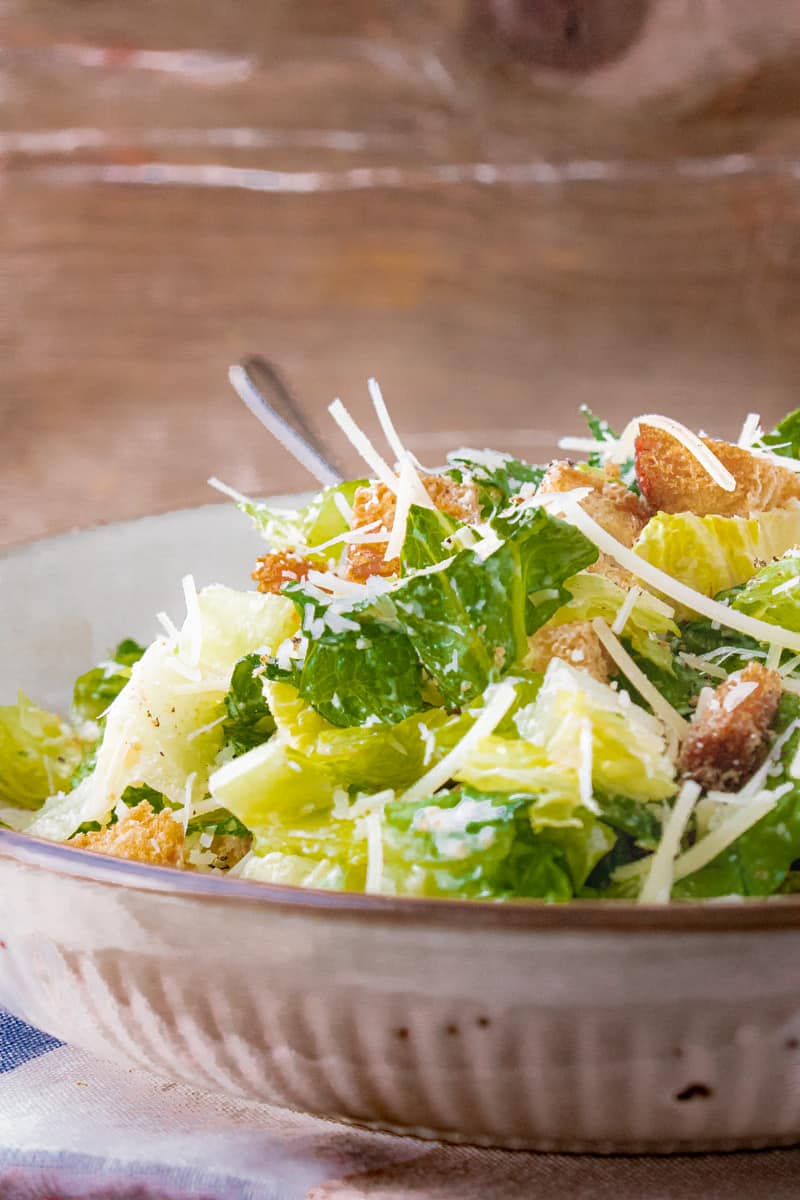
[581, 1027]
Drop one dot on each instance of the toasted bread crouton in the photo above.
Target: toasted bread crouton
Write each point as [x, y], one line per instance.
[575, 642]
[673, 481]
[620, 511]
[728, 736]
[274, 570]
[377, 503]
[143, 835]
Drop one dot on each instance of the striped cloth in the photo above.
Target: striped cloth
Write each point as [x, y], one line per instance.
[73, 1127]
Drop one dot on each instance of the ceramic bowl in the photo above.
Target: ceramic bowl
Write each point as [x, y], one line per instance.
[585, 1027]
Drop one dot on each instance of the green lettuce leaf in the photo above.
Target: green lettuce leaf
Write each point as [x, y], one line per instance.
[317, 523]
[425, 543]
[249, 721]
[469, 619]
[96, 689]
[714, 553]
[784, 439]
[481, 845]
[357, 675]
[629, 755]
[38, 754]
[773, 593]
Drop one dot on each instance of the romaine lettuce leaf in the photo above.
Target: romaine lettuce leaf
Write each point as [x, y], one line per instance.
[481, 845]
[714, 553]
[550, 551]
[773, 593]
[317, 523]
[368, 673]
[427, 531]
[784, 439]
[164, 728]
[292, 869]
[469, 619]
[629, 755]
[95, 690]
[38, 754]
[249, 721]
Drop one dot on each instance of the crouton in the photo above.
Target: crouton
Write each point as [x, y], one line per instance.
[143, 835]
[728, 736]
[673, 481]
[575, 642]
[274, 570]
[377, 503]
[615, 507]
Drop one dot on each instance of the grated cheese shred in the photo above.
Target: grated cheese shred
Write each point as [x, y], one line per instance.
[657, 886]
[497, 706]
[661, 707]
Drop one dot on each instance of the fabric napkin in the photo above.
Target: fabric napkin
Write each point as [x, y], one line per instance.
[74, 1127]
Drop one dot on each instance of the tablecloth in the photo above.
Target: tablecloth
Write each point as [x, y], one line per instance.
[74, 1127]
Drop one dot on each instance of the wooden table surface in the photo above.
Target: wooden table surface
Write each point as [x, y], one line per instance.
[500, 216]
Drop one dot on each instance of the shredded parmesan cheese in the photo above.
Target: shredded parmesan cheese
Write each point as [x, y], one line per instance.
[344, 508]
[661, 707]
[228, 491]
[194, 625]
[707, 848]
[363, 445]
[788, 585]
[585, 768]
[405, 498]
[501, 697]
[751, 431]
[657, 886]
[700, 664]
[625, 610]
[739, 692]
[168, 625]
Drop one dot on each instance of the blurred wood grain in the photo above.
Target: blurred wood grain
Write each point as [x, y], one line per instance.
[431, 193]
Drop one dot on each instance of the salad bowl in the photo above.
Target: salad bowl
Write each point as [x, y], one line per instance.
[598, 1027]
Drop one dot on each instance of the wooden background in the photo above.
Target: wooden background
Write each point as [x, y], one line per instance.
[501, 209]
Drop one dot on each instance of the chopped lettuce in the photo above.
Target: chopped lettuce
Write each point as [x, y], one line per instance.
[773, 593]
[249, 721]
[482, 845]
[38, 754]
[426, 540]
[369, 673]
[628, 751]
[96, 689]
[164, 728]
[293, 869]
[322, 518]
[784, 439]
[714, 553]
[469, 617]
